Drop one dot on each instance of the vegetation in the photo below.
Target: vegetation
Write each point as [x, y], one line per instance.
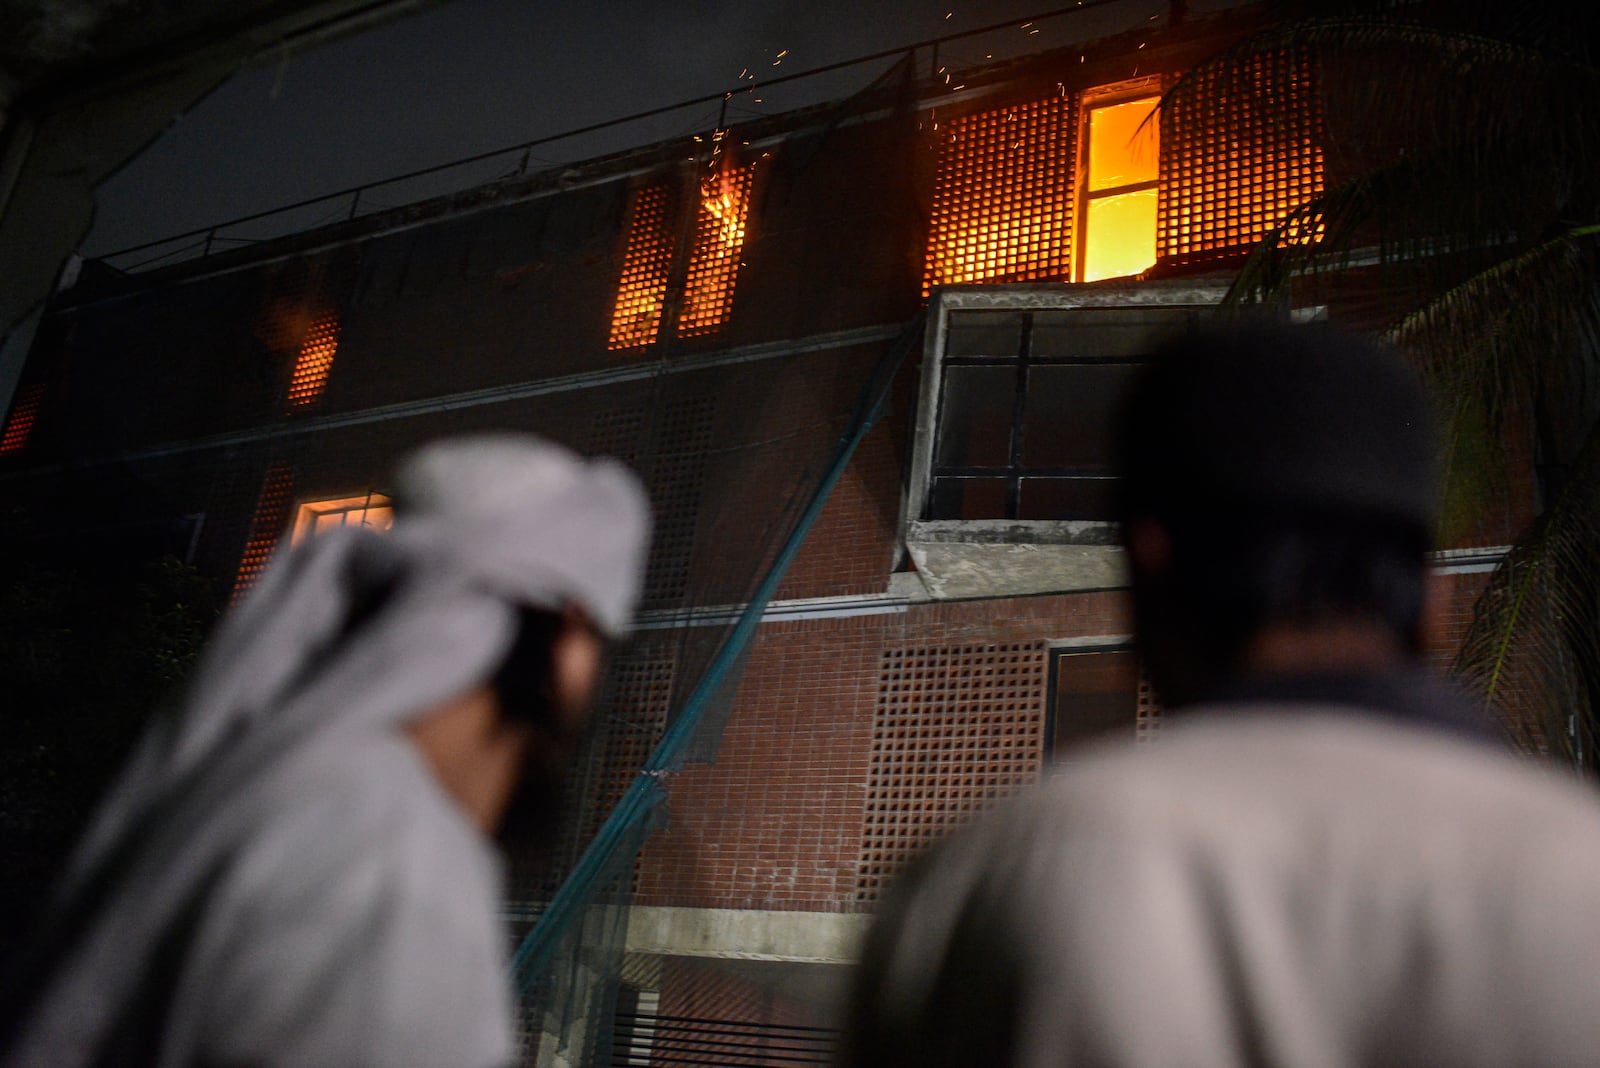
[1461, 219]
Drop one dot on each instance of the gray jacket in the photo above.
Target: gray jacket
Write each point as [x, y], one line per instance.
[1321, 888]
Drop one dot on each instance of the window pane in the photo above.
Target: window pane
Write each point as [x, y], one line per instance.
[1121, 235]
[1065, 498]
[1120, 153]
[1096, 694]
[975, 417]
[968, 498]
[983, 334]
[1070, 409]
[1106, 332]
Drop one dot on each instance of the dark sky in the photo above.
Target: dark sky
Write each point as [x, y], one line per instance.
[476, 75]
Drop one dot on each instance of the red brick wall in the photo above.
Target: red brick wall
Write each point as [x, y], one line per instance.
[777, 822]
[852, 545]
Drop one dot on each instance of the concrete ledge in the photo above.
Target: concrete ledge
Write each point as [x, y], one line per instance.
[747, 934]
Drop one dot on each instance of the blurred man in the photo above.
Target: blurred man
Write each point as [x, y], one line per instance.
[1326, 859]
[297, 869]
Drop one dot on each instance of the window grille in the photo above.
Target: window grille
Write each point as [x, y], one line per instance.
[19, 422]
[315, 361]
[956, 728]
[271, 516]
[1003, 196]
[718, 245]
[1239, 154]
[646, 268]
[696, 284]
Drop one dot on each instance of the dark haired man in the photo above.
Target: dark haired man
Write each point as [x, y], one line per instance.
[297, 868]
[1325, 860]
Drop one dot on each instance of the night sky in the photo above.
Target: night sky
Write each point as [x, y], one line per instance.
[476, 75]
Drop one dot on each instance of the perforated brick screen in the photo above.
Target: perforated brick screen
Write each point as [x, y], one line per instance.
[646, 267]
[1003, 195]
[19, 421]
[271, 516]
[315, 362]
[956, 727]
[1147, 725]
[1237, 155]
[718, 246]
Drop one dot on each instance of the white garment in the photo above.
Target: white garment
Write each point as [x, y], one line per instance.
[277, 878]
[1316, 888]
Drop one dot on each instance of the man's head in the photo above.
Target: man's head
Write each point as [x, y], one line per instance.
[1277, 497]
[561, 540]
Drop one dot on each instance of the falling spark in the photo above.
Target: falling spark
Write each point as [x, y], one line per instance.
[1032, 32]
[1025, 25]
[947, 14]
[783, 53]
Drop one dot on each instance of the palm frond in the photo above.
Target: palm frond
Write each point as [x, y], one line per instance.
[1532, 655]
[1526, 327]
[1392, 84]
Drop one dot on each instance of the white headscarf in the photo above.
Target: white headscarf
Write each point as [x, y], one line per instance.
[484, 526]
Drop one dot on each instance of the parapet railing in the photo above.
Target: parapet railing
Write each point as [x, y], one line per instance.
[501, 164]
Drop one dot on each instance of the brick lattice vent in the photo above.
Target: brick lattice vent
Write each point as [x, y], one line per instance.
[956, 728]
[1147, 722]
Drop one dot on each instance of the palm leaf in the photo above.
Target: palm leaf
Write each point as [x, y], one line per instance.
[1532, 655]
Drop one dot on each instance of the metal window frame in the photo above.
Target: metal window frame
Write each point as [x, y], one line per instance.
[1080, 554]
[1057, 651]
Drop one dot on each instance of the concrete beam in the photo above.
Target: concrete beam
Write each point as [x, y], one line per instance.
[747, 934]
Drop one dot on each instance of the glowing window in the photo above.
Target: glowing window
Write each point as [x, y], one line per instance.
[718, 244]
[318, 517]
[1119, 194]
[646, 269]
[1003, 197]
[315, 361]
[272, 512]
[19, 423]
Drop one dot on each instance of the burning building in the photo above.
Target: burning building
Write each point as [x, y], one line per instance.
[863, 354]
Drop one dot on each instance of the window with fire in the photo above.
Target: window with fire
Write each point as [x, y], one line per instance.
[1080, 188]
[682, 258]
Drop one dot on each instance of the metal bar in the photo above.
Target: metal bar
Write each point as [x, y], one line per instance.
[1085, 5]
